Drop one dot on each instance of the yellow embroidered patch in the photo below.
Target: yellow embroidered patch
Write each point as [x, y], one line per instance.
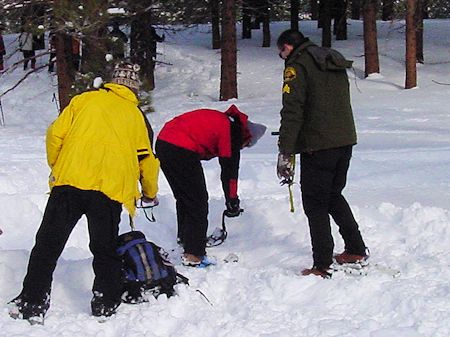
[286, 89]
[289, 74]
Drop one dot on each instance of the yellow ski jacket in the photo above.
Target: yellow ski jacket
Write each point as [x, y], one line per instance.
[96, 144]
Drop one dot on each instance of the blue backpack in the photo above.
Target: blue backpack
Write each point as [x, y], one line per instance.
[146, 267]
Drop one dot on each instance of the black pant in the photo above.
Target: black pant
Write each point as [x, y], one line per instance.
[323, 177]
[184, 173]
[65, 207]
[27, 54]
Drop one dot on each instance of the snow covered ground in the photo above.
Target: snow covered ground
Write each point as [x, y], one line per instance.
[398, 187]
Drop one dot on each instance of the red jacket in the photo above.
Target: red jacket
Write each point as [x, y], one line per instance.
[212, 133]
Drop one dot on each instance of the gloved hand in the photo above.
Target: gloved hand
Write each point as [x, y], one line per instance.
[233, 208]
[149, 202]
[285, 167]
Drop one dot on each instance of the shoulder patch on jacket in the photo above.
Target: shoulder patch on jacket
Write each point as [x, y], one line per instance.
[289, 74]
[286, 89]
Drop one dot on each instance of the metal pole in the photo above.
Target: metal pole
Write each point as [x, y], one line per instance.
[2, 114]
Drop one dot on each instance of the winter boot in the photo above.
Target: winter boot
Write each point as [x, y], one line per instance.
[346, 257]
[101, 307]
[317, 271]
[34, 312]
[204, 261]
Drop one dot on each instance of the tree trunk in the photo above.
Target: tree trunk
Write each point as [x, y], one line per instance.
[64, 68]
[326, 23]
[388, 10]
[372, 64]
[356, 9]
[228, 74]
[418, 22]
[294, 14]
[94, 50]
[314, 7]
[215, 22]
[266, 23]
[246, 20]
[321, 11]
[411, 70]
[425, 14]
[340, 21]
[142, 44]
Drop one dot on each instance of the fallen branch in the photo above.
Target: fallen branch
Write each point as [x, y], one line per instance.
[440, 83]
[22, 79]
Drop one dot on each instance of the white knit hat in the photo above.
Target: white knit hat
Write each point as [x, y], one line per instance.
[257, 131]
[126, 74]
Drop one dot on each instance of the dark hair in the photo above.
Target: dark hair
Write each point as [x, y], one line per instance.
[291, 37]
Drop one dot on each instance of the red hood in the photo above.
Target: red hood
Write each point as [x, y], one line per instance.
[233, 111]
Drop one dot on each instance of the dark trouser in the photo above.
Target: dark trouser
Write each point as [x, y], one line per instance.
[65, 207]
[184, 173]
[51, 62]
[27, 54]
[323, 177]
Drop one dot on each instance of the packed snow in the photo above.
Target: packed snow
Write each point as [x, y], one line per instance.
[398, 187]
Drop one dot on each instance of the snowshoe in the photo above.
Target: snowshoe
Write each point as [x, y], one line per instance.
[216, 238]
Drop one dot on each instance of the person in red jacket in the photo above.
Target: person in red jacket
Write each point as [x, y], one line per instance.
[181, 145]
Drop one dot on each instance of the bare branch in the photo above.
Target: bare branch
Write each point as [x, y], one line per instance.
[23, 79]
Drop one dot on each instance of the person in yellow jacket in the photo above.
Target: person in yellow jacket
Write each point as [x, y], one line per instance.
[98, 150]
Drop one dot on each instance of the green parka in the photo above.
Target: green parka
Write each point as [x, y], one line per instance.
[316, 112]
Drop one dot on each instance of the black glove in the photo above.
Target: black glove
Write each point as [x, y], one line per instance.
[233, 208]
[285, 167]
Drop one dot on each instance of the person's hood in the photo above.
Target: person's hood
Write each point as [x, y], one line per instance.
[251, 132]
[325, 58]
[122, 91]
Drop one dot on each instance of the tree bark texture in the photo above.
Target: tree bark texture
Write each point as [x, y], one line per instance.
[388, 10]
[340, 19]
[266, 23]
[294, 14]
[411, 70]
[314, 7]
[215, 22]
[228, 74]
[64, 68]
[142, 43]
[418, 22]
[372, 64]
[246, 20]
[325, 15]
[356, 9]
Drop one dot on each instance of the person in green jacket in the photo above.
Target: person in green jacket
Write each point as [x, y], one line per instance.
[317, 122]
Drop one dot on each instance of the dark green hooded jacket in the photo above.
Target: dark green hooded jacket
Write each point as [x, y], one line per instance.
[316, 113]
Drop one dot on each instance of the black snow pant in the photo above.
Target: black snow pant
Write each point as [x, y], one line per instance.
[184, 172]
[323, 177]
[64, 208]
[27, 54]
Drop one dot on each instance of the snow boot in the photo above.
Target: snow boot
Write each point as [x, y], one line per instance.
[34, 312]
[101, 307]
[317, 271]
[204, 261]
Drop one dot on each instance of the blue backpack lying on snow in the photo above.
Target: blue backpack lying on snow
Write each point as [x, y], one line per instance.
[146, 268]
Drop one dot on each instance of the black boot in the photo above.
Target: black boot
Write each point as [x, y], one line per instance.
[102, 307]
[23, 308]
